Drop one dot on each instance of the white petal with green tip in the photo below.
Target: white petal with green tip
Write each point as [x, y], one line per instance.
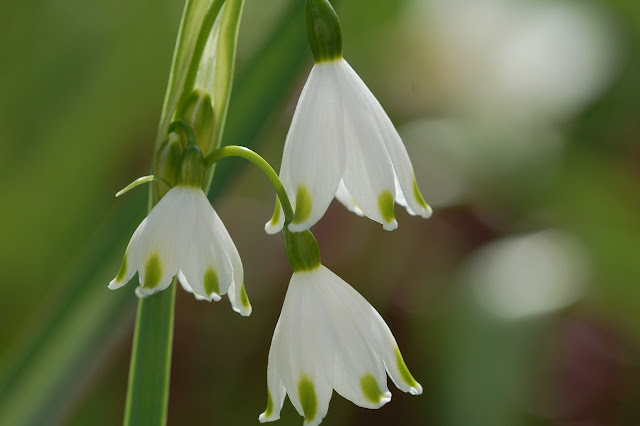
[394, 145]
[329, 337]
[184, 236]
[315, 148]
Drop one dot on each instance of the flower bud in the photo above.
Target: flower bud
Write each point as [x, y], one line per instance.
[324, 31]
[191, 171]
[198, 113]
[301, 249]
[167, 162]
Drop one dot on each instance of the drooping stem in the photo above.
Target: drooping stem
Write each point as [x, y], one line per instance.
[261, 163]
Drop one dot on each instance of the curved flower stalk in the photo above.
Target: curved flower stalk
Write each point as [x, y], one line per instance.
[184, 236]
[329, 337]
[341, 142]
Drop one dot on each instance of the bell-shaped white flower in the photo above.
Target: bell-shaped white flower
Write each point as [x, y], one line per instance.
[184, 236]
[342, 144]
[329, 337]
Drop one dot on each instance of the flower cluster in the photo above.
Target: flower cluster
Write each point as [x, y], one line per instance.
[341, 144]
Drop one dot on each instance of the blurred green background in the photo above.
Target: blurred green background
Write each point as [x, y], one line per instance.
[518, 303]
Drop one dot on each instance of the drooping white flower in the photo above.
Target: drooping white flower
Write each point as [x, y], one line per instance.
[184, 236]
[342, 144]
[329, 337]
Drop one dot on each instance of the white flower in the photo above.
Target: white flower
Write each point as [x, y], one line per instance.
[342, 144]
[329, 337]
[184, 236]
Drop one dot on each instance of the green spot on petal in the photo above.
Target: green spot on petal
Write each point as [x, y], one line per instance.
[404, 371]
[303, 205]
[123, 269]
[418, 196]
[370, 388]
[152, 272]
[308, 399]
[211, 283]
[385, 205]
[269, 411]
[244, 299]
[276, 213]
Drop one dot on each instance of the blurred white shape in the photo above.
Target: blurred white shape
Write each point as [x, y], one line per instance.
[530, 275]
[505, 60]
[438, 149]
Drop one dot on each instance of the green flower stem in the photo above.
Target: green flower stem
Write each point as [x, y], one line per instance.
[150, 367]
[247, 154]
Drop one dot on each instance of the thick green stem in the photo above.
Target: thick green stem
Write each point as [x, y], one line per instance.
[150, 366]
[247, 154]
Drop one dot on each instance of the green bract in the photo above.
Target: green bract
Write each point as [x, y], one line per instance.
[198, 113]
[324, 31]
[301, 249]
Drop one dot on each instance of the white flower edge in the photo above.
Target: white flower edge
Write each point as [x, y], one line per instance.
[339, 124]
[329, 337]
[184, 236]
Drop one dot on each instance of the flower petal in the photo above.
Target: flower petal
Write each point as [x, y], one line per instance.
[376, 331]
[206, 268]
[343, 195]
[315, 152]
[369, 174]
[304, 349]
[235, 287]
[164, 239]
[276, 392]
[128, 267]
[359, 373]
[395, 147]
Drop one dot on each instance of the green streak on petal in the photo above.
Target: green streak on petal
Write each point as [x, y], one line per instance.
[244, 299]
[404, 371]
[303, 205]
[308, 399]
[276, 213]
[385, 205]
[269, 411]
[123, 269]
[418, 196]
[152, 272]
[370, 388]
[211, 283]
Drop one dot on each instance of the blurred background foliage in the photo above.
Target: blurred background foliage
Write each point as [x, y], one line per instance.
[518, 303]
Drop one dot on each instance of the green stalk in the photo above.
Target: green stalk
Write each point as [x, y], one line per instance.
[150, 368]
[261, 163]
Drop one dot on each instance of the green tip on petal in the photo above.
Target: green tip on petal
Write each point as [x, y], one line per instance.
[211, 283]
[244, 299]
[269, 410]
[308, 398]
[324, 31]
[123, 270]
[404, 371]
[418, 195]
[370, 389]
[276, 213]
[303, 205]
[385, 205]
[152, 272]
